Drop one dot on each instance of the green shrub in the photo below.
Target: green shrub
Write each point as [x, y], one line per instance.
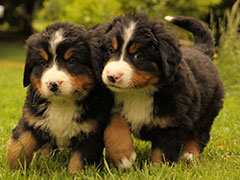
[160, 8]
[89, 12]
[85, 12]
[229, 51]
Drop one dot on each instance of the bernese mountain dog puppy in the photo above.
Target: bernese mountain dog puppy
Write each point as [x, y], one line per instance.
[64, 106]
[163, 93]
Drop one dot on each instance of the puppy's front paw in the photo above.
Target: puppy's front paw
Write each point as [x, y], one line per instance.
[123, 156]
[119, 143]
[188, 157]
[191, 151]
[46, 149]
[127, 161]
[21, 149]
[75, 163]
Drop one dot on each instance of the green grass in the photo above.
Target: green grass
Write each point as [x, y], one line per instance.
[12, 54]
[220, 159]
[12, 51]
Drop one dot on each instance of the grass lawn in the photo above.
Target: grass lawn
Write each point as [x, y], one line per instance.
[12, 54]
[220, 160]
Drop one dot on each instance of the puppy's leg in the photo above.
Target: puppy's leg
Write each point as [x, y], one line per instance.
[76, 162]
[167, 144]
[197, 141]
[87, 149]
[157, 155]
[119, 143]
[200, 136]
[21, 148]
[46, 149]
[191, 150]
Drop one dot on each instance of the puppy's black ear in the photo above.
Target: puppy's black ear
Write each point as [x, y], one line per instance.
[27, 73]
[97, 36]
[168, 48]
[30, 44]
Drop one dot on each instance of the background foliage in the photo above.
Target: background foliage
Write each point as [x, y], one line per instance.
[18, 15]
[27, 15]
[89, 12]
[229, 47]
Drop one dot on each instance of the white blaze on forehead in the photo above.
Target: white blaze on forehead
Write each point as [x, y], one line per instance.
[53, 74]
[56, 38]
[121, 66]
[127, 34]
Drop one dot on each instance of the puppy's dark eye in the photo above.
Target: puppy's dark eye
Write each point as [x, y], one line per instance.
[72, 61]
[137, 56]
[111, 50]
[43, 63]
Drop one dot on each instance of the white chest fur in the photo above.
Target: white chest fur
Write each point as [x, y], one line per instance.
[60, 121]
[137, 107]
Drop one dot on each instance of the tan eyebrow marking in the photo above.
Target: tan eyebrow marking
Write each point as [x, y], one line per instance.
[115, 43]
[68, 54]
[44, 54]
[134, 47]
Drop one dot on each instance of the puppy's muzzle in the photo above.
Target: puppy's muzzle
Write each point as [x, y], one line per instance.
[54, 85]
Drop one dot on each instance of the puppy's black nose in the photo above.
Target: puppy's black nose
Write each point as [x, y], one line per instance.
[53, 86]
[111, 79]
[114, 76]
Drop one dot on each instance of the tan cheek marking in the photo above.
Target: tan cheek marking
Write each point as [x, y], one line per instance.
[115, 43]
[134, 47]
[157, 155]
[36, 83]
[68, 54]
[21, 149]
[192, 147]
[81, 83]
[44, 54]
[117, 139]
[142, 79]
[75, 163]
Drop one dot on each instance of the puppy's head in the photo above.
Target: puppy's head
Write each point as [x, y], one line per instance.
[57, 62]
[138, 53]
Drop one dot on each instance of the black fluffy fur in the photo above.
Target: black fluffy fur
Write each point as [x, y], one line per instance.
[189, 88]
[95, 106]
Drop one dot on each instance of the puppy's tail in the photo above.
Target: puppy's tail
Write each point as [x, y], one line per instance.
[203, 38]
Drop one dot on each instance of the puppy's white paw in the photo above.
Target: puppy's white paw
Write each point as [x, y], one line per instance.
[127, 162]
[188, 157]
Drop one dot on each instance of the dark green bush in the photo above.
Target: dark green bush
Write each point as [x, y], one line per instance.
[89, 12]
[229, 47]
